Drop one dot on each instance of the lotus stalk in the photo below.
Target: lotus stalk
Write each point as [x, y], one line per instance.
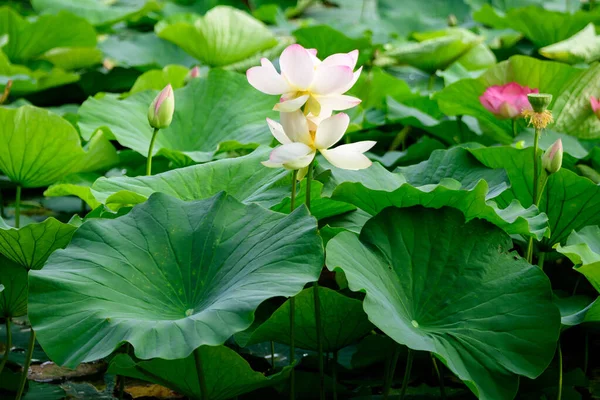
[28, 357]
[8, 344]
[539, 116]
[18, 207]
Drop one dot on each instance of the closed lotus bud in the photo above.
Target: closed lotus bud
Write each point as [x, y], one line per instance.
[160, 112]
[194, 73]
[552, 158]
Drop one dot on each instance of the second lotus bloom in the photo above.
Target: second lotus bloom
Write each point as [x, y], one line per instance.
[305, 79]
[506, 101]
[299, 143]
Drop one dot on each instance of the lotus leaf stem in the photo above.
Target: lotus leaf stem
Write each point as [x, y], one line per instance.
[440, 378]
[28, 358]
[18, 207]
[319, 327]
[8, 344]
[334, 373]
[390, 372]
[409, 362]
[560, 372]
[200, 373]
[514, 127]
[272, 354]
[150, 150]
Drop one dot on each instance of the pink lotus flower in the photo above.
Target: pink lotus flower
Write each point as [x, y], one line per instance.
[299, 143]
[305, 79]
[507, 101]
[595, 105]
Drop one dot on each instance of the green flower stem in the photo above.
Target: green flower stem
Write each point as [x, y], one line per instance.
[431, 83]
[18, 207]
[293, 305]
[8, 345]
[319, 325]
[440, 378]
[536, 172]
[587, 352]
[541, 258]
[200, 373]
[390, 373]
[514, 127]
[272, 354]
[150, 149]
[560, 372]
[309, 177]
[28, 358]
[535, 194]
[409, 362]
[400, 138]
[318, 321]
[334, 372]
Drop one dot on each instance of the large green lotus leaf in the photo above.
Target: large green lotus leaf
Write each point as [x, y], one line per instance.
[98, 13]
[183, 274]
[480, 57]
[157, 79]
[346, 322]
[374, 86]
[450, 178]
[424, 113]
[70, 58]
[76, 185]
[244, 178]
[570, 201]
[27, 81]
[435, 50]
[375, 177]
[549, 27]
[583, 249]
[31, 245]
[328, 41]
[320, 207]
[143, 50]
[226, 373]
[13, 299]
[223, 36]
[505, 5]
[571, 89]
[38, 147]
[583, 47]
[29, 40]
[384, 18]
[438, 284]
[217, 112]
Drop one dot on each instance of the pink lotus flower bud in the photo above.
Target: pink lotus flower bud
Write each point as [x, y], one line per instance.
[193, 74]
[595, 105]
[507, 101]
[160, 112]
[552, 158]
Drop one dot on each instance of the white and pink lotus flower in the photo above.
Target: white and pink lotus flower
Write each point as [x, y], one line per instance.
[310, 90]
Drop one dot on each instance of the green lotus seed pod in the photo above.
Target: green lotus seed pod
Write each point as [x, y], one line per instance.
[539, 101]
